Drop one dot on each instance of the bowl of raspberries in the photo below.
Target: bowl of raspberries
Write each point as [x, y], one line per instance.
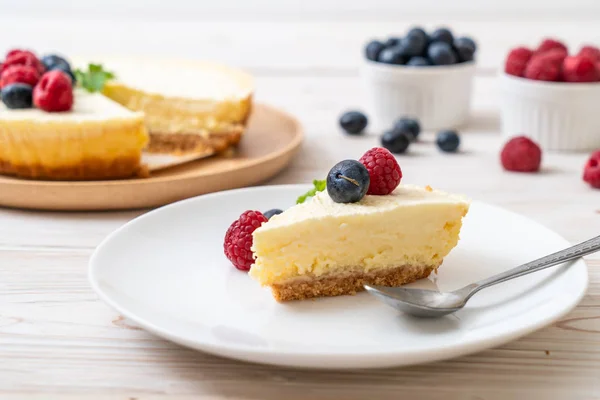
[425, 75]
[550, 94]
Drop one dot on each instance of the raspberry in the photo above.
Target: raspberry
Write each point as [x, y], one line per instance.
[23, 57]
[541, 69]
[549, 44]
[521, 154]
[580, 69]
[19, 74]
[555, 56]
[54, 92]
[590, 51]
[384, 172]
[517, 60]
[591, 171]
[238, 239]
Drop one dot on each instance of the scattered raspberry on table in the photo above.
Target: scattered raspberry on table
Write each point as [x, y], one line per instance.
[521, 154]
[591, 171]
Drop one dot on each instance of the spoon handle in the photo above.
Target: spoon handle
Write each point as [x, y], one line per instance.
[579, 250]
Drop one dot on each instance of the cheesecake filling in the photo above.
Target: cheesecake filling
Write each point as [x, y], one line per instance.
[410, 227]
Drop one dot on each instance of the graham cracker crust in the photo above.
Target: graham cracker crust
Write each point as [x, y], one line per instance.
[89, 169]
[183, 143]
[337, 285]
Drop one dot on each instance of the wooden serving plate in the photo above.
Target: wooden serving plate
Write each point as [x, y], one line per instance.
[272, 139]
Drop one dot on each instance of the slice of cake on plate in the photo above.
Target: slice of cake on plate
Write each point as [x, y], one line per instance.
[341, 238]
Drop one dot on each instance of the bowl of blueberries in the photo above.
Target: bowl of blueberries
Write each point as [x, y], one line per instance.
[428, 76]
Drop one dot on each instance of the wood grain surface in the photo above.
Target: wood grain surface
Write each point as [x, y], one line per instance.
[57, 341]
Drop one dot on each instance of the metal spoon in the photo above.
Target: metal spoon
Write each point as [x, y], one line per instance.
[430, 303]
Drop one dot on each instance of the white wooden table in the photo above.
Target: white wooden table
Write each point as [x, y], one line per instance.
[57, 341]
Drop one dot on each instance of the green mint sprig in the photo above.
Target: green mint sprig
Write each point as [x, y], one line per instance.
[94, 78]
[319, 186]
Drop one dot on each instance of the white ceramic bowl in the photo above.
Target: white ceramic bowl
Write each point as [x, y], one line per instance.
[559, 116]
[439, 96]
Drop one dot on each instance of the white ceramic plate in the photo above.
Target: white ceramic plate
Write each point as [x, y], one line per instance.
[166, 271]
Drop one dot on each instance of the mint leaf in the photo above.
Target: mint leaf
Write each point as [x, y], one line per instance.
[94, 78]
[319, 186]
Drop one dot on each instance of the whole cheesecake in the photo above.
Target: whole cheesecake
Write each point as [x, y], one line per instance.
[189, 106]
[96, 139]
[323, 248]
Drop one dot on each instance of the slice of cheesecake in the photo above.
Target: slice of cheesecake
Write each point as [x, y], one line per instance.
[96, 139]
[189, 106]
[322, 248]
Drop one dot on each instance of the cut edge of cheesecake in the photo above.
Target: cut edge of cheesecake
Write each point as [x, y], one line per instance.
[321, 248]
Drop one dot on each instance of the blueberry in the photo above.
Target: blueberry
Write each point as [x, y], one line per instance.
[465, 49]
[393, 41]
[52, 61]
[409, 126]
[413, 45]
[66, 71]
[348, 181]
[396, 141]
[469, 41]
[17, 95]
[442, 35]
[448, 141]
[418, 61]
[392, 55]
[270, 213]
[353, 122]
[373, 49]
[418, 31]
[441, 53]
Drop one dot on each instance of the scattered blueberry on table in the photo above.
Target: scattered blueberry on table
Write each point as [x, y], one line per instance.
[448, 141]
[408, 126]
[353, 122]
[420, 49]
[396, 141]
